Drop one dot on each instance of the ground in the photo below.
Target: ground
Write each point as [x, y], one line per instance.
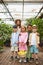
[5, 58]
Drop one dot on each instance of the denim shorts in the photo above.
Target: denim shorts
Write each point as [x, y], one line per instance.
[34, 49]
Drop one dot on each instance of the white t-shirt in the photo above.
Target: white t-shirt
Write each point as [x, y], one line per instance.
[33, 39]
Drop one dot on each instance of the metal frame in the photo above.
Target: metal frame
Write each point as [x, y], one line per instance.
[22, 1]
[39, 12]
[4, 3]
[7, 9]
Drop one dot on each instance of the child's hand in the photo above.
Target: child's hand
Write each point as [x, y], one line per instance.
[22, 43]
[16, 42]
[29, 44]
[37, 46]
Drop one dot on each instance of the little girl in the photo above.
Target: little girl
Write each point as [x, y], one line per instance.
[22, 43]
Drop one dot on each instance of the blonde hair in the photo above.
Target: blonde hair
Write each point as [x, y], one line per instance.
[24, 27]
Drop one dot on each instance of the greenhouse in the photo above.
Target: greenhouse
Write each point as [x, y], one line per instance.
[17, 19]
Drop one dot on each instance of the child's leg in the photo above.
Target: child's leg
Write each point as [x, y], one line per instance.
[29, 54]
[32, 55]
[12, 51]
[36, 56]
[20, 59]
[16, 52]
[36, 52]
[32, 51]
[24, 59]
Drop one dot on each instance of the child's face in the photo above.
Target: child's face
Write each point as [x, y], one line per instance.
[34, 29]
[18, 22]
[15, 29]
[23, 29]
[29, 28]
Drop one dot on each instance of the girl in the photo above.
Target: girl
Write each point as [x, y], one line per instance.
[18, 23]
[22, 43]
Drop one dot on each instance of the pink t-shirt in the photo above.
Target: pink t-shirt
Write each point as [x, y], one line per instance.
[22, 41]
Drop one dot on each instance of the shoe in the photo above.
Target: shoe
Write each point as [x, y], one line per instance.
[37, 62]
[16, 58]
[20, 60]
[31, 60]
[24, 60]
[27, 60]
[11, 58]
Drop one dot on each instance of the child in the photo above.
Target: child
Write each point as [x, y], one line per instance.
[18, 23]
[14, 42]
[22, 42]
[29, 55]
[34, 43]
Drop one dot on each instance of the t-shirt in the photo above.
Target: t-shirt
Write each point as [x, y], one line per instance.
[33, 39]
[14, 38]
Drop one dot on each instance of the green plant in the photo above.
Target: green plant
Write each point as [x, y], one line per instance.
[38, 22]
[5, 32]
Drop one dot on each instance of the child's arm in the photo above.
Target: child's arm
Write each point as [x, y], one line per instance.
[11, 39]
[26, 37]
[30, 39]
[38, 34]
[38, 41]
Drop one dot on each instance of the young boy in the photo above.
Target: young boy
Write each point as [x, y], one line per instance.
[29, 55]
[14, 42]
[34, 43]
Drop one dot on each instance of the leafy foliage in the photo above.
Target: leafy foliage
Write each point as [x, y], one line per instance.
[5, 32]
[38, 22]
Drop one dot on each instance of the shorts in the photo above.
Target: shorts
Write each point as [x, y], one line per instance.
[15, 48]
[33, 49]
